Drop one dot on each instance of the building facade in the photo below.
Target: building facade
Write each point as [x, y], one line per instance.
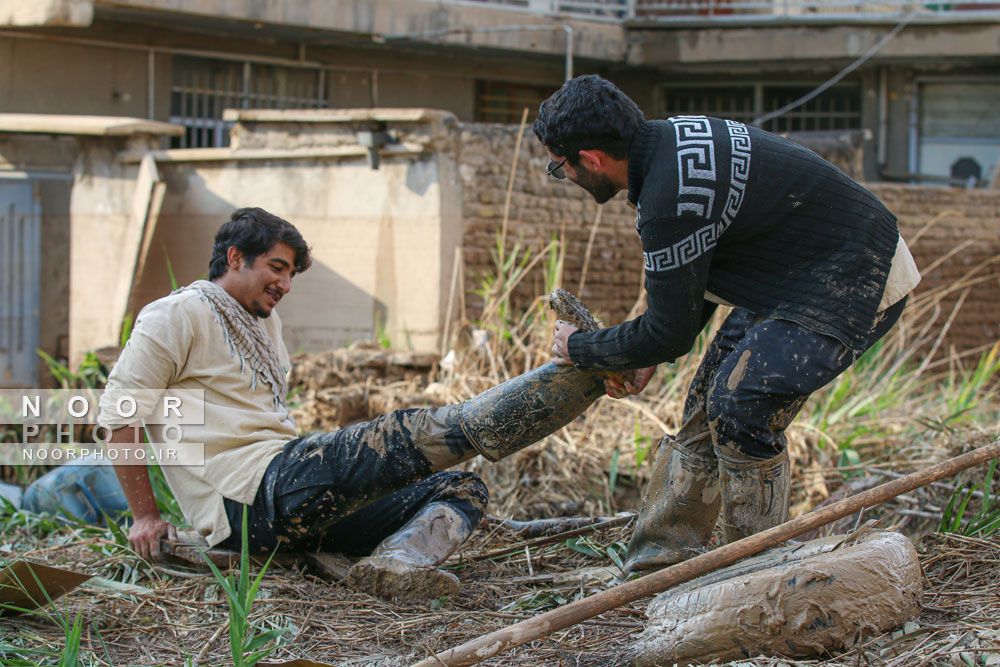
[913, 82]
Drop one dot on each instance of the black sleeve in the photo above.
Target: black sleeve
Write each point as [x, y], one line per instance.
[677, 252]
[707, 310]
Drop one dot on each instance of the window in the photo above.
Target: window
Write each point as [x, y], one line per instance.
[732, 102]
[502, 102]
[203, 87]
[838, 108]
[957, 134]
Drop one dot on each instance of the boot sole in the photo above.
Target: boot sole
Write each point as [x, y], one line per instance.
[390, 579]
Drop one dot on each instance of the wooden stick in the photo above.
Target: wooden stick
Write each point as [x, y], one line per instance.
[510, 188]
[590, 248]
[551, 539]
[451, 300]
[461, 284]
[531, 629]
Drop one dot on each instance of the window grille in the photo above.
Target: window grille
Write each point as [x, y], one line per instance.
[838, 108]
[203, 87]
[502, 102]
[730, 10]
[732, 102]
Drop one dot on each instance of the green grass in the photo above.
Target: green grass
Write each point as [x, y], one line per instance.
[247, 640]
[12, 654]
[886, 394]
[90, 374]
[986, 519]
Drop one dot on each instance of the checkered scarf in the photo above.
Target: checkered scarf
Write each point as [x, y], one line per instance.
[246, 337]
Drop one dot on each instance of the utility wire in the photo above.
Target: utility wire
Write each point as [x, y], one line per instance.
[819, 90]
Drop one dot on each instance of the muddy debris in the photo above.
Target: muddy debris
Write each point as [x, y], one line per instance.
[337, 388]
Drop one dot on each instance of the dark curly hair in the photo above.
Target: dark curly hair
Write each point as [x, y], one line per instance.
[588, 112]
[254, 231]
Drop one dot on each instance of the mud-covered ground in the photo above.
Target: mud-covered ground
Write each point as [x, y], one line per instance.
[137, 613]
[175, 615]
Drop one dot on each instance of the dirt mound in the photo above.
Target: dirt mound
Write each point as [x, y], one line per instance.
[330, 390]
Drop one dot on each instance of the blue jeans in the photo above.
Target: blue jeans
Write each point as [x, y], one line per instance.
[79, 489]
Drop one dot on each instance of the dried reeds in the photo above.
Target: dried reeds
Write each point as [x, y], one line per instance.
[897, 409]
[181, 618]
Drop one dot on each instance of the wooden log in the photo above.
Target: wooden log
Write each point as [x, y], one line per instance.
[487, 646]
[557, 524]
[551, 539]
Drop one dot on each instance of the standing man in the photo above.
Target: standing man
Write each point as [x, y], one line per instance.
[375, 489]
[727, 214]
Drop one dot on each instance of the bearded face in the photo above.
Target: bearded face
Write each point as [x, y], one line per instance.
[600, 186]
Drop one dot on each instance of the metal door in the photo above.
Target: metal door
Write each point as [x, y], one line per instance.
[20, 278]
[958, 124]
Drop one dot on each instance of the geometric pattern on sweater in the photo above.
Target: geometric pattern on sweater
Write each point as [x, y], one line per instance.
[695, 162]
[739, 174]
[693, 131]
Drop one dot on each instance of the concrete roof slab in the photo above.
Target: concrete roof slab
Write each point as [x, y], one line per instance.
[107, 126]
[337, 115]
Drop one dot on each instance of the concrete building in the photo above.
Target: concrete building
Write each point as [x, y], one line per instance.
[917, 77]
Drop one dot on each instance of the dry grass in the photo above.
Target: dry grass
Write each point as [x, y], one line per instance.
[912, 413]
[181, 616]
[907, 405]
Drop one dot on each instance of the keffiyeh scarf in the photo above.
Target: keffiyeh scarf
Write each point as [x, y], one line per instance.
[246, 338]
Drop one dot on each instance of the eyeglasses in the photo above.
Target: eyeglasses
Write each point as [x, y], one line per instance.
[555, 169]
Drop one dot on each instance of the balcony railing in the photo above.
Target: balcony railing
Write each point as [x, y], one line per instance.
[746, 10]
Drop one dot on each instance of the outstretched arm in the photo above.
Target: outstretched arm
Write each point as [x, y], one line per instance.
[678, 253]
[614, 388]
[148, 528]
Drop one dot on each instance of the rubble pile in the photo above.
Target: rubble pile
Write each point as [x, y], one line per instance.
[333, 389]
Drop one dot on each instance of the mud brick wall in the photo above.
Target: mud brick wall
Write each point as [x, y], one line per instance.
[954, 235]
[543, 208]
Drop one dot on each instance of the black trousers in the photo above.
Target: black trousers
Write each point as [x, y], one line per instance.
[347, 490]
[756, 375]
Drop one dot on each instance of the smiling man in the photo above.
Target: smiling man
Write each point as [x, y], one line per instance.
[726, 214]
[220, 336]
[378, 489]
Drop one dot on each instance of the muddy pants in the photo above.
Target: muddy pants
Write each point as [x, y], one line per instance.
[756, 375]
[347, 490]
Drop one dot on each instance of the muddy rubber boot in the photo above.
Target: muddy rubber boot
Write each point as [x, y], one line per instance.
[402, 567]
[525, 409]
[754, 492]
[679, 506]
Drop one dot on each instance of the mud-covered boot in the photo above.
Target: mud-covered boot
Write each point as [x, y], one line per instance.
[679, 507]
[754, 492]
[525, 409]
[403, 566]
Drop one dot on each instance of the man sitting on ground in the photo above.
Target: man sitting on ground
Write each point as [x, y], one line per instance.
[379, 489]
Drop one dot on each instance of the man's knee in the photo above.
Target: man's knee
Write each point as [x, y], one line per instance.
[747, 422]
[437, 434]
[463, 490]
[723, 415]
[724, 398]
[468, 486]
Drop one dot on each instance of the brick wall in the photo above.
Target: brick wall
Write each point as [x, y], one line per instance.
[543, 208]
[963, 227]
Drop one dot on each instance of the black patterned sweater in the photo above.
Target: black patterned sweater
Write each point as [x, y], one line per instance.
[757, 220]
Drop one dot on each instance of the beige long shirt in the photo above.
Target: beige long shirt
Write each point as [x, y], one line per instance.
[177, 344]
